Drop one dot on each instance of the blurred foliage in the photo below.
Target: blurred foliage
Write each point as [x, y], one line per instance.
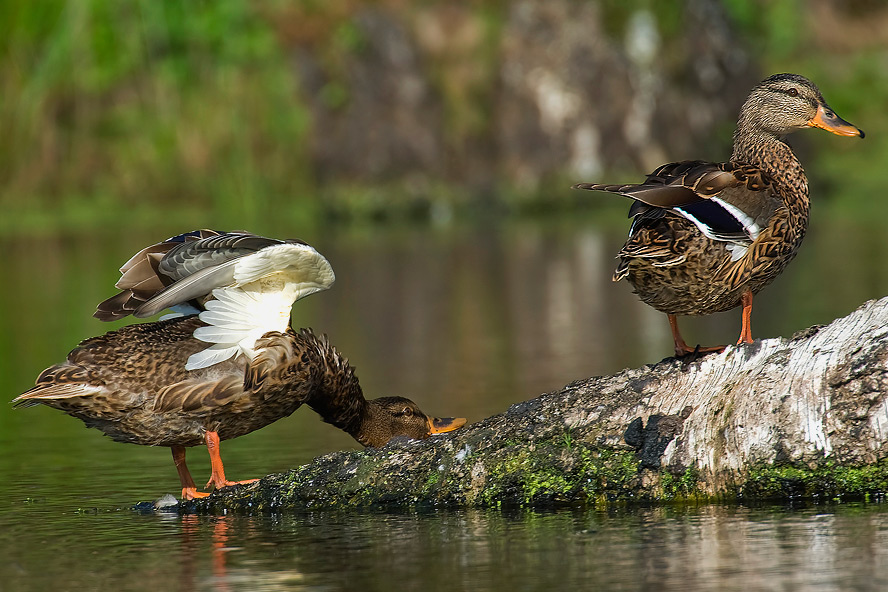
[159, 108]
[775, 26]
[106, 104]
[843, 46]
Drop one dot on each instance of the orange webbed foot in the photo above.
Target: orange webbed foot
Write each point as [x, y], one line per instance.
[682, 350]
[217, 475]
[190, 493]
[227, 483]
[693, 353]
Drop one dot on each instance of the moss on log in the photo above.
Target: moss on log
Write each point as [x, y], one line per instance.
[776, 419]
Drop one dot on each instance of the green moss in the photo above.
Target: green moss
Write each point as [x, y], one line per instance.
[568, 439]
[431, 486]
[681, 487]
[559, 471]
[531, 474]
[827, 481]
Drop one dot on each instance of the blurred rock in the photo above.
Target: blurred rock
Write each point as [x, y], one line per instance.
[557, 88]
[375, 115]
[580, 93]
[848, 25]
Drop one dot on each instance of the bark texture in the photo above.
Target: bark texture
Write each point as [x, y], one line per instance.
[779, 418]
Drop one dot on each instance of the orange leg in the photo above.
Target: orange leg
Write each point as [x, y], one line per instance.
[217, 477]
[189, 490]
[746, 323]
[682, 348]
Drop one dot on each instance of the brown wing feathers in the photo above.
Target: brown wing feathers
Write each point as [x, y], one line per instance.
[61, 381]
[141, 279]
[274, 350]
[195, 395]
[676, 184]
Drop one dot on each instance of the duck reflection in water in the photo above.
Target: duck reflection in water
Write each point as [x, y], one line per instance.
[160, 384]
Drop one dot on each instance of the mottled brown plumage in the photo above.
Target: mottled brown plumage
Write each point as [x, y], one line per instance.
[706, 236]
[132, 385]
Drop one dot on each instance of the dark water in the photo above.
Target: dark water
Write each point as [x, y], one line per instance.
[465, 320]
[702, 548]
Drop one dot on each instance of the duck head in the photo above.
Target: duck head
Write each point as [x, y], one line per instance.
[783, 103]
[388, 417]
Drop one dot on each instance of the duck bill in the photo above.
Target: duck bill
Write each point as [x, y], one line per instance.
[826, 118]
[441, 425]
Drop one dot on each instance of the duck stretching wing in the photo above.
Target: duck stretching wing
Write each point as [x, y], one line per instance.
[241, 284]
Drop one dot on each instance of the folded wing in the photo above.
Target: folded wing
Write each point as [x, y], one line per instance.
[723, 200]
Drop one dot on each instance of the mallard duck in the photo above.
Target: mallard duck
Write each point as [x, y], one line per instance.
[158, 384]
[706, 237]
[241, 284]
[132, 385]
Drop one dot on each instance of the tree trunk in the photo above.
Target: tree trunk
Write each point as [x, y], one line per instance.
[803, 417]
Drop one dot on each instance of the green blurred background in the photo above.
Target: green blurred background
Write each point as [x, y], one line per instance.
[231, 111]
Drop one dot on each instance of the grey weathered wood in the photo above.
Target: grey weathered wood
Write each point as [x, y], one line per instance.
[776, 418]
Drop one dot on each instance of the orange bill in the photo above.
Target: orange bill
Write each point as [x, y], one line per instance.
[440, 425]
[826, 118]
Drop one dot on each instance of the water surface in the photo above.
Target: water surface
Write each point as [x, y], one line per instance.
[466, 320]
[839, 548]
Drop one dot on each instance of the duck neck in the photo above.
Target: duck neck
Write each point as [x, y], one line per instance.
[338, 398]
[770, 153]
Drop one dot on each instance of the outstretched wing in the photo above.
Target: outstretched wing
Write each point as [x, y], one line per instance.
[140, 278]
[265, 286]
[245, 286]
[197, 268]
[177, 270]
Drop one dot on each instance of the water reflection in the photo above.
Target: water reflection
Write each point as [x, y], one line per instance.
[199, 534]
[691, 548]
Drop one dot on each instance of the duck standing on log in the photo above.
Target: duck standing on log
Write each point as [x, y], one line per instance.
[706, 237]
[160, 384]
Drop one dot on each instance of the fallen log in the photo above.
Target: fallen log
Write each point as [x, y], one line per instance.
[776, 419]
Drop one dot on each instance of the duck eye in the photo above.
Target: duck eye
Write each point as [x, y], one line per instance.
[407, 412]
[793, 92]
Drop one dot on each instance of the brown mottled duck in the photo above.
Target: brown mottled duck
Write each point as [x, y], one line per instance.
[135, 385]
[706, 237]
